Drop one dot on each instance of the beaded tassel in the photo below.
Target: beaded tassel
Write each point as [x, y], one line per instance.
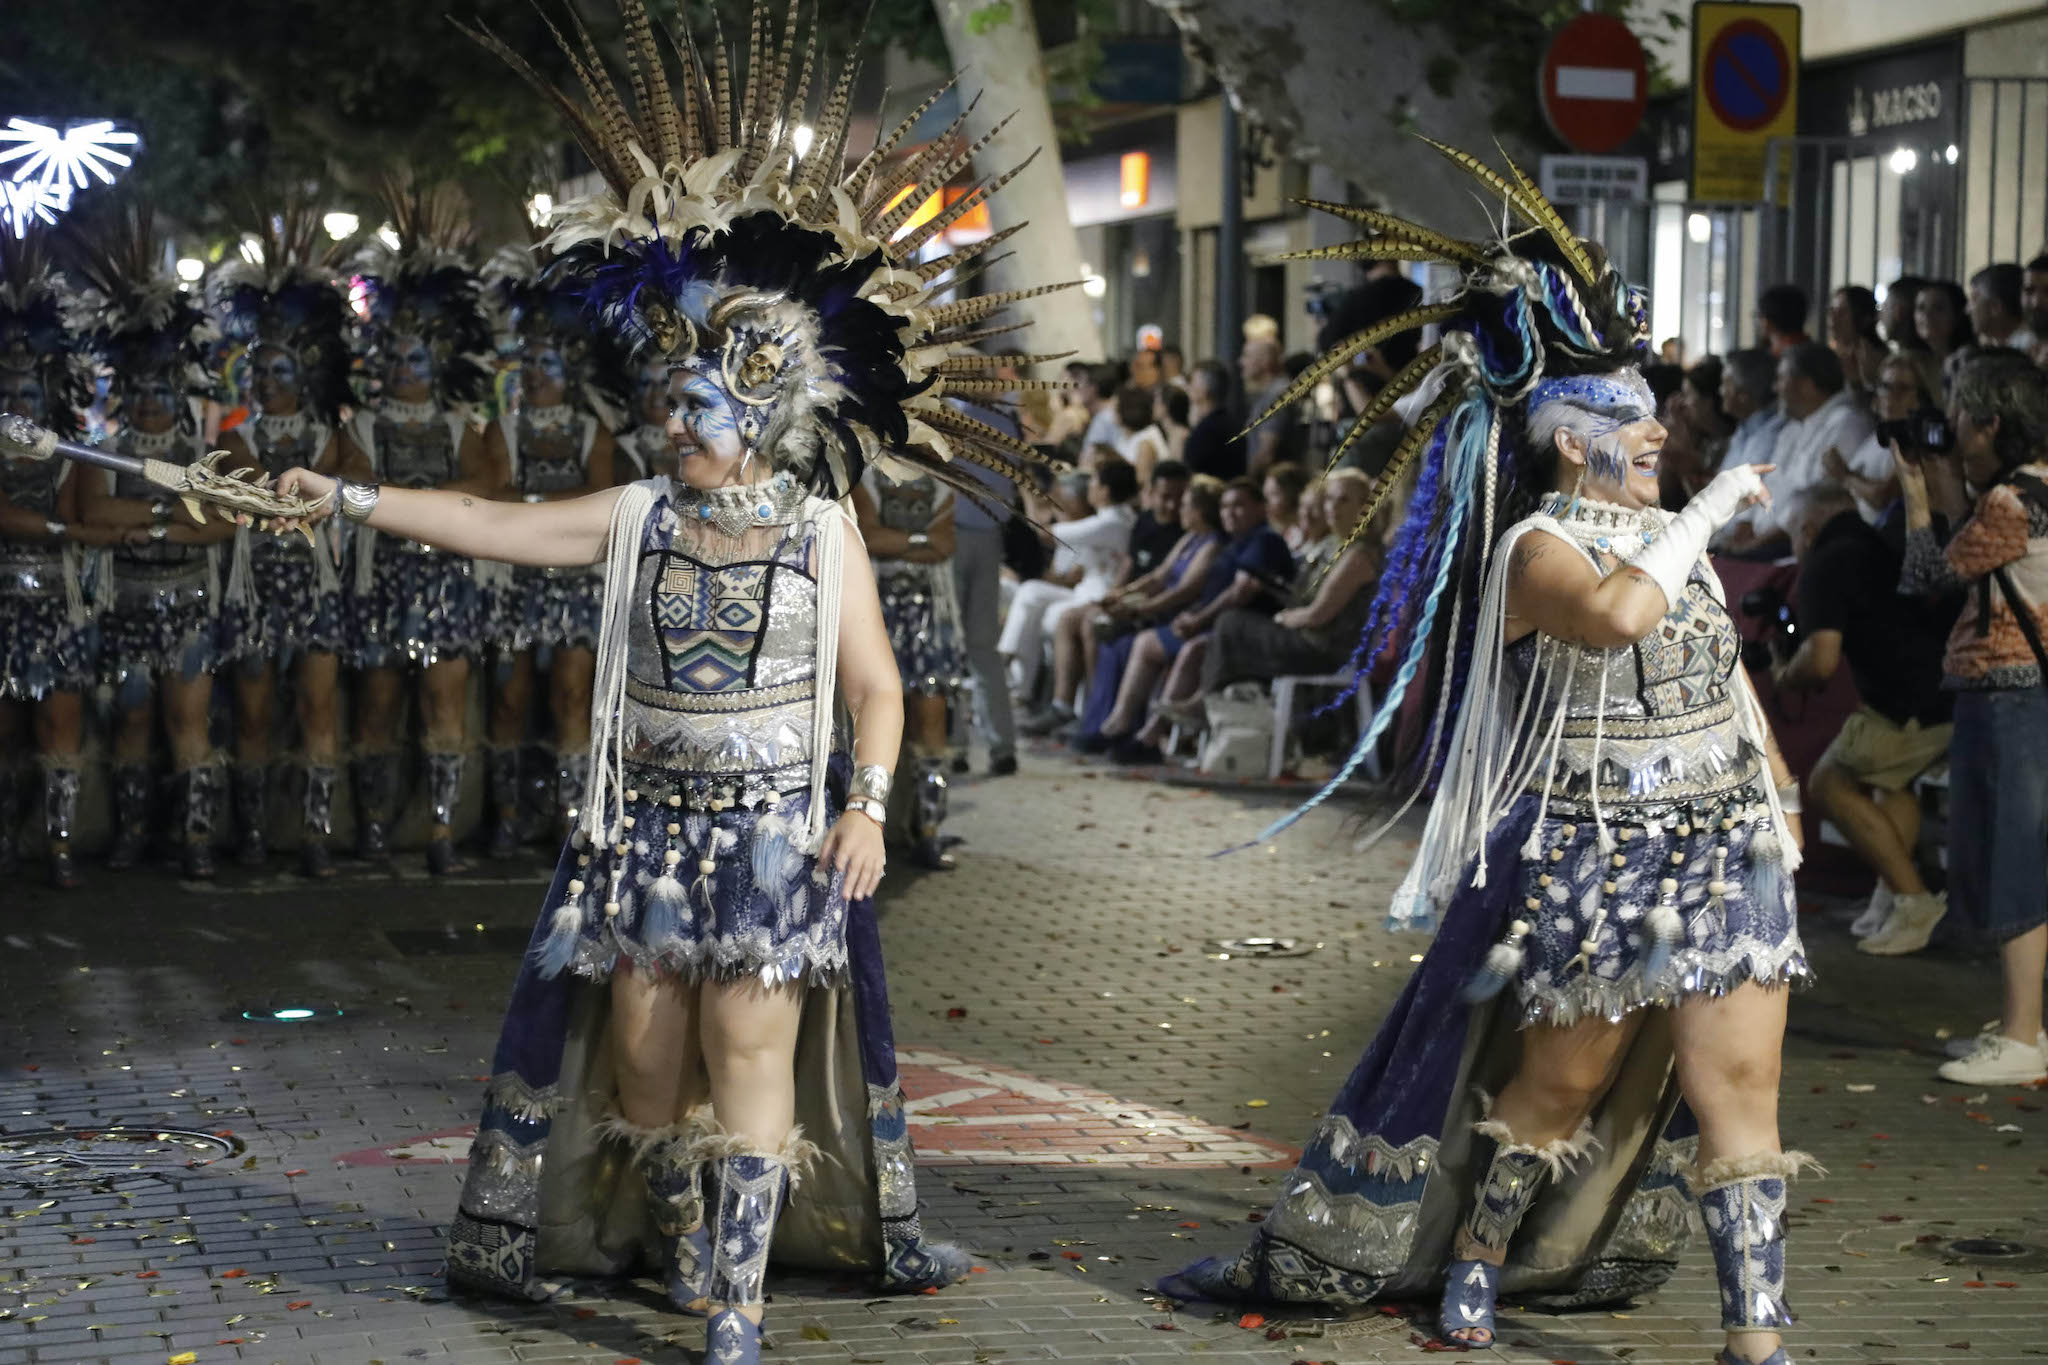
[667, 902]
[1664, 926]
[558, 949]
[721, 841]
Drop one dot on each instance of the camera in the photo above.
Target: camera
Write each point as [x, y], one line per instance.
[1926, 432]
[1781, 628]
[1321, 297]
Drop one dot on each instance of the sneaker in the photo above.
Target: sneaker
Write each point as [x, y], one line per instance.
[1873, 917]
[1963, 1047]
[1909, 926]
[1998, 1060]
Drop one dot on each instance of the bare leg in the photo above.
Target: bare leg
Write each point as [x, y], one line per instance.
[134, 727]
[1870, 827]
[255, 713]
[569, 698]
[187, 701]
[1183, 684]
[511, 697]
[1729, 1052]
[1148, 658]
[60, 727]
[2023, 959]
[319, 708]
[750, 1032]
[379, 697]
[656, 1049]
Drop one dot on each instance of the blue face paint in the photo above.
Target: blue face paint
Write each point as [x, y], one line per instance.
[152, 401]
[21, 392]
[702, 415]
[650, 393]
[412, 363]
[545, 370]
[274, 375]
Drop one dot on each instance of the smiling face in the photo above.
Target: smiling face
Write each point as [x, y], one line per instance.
[703, 431]
[409, 369]
[1242, 511]
[1344, 503]
[1612, 457]
[274, 381]
[543, 374]
[21, 393]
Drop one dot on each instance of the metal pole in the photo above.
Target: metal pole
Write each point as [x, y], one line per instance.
[1230, 243]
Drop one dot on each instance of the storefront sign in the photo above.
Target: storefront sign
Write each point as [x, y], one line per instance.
[1745, 68]
[1909, 96]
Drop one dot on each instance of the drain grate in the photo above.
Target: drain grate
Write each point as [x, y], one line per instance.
[46, 1157]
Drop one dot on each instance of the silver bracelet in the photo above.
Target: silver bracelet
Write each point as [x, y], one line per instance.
[358, 500]
[919, 539]
[55, 529]
[874, 810]
[872, 783]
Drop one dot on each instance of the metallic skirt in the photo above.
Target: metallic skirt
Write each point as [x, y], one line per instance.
[160, 627]
[930, 653]
[546, 609]
[41, 649]
[290, 612]
[423, 606]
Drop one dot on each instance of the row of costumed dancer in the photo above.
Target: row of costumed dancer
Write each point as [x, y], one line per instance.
[695, 1072]
[109, 583]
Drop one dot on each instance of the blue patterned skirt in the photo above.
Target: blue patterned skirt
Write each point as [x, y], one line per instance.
[923, 629]
[546, 609]
[162, 624]
[288, 611]
[422, 607]
[41, 649]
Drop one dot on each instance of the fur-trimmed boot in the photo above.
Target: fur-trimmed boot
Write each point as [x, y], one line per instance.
[134, 786]
[671, 1162]
[317, 822]
[199, 801]
[928, 816]
[1513, 1177]
[444, 789]
[751, 1187]
[1742, 1203]
[501, 792]
[375, 779]
[251, 783]
[60, 815]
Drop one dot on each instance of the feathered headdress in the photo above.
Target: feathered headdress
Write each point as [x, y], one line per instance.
[143, 323]
[40, 331]
[724, 234]
[1538, 316]
[422, 283]
[288, 300]
[535, 302]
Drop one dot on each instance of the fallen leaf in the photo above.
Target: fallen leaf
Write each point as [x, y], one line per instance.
[1252, 1321]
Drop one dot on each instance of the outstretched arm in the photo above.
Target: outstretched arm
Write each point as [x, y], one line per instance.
[558, 535]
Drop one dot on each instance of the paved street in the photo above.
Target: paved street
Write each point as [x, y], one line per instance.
[1099, 1094]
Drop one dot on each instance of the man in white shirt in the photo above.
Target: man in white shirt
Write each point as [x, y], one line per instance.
[1822, 413]
[1749, 395]
[1097, 544]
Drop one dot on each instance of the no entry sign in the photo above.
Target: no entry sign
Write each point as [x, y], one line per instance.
[1595, 84]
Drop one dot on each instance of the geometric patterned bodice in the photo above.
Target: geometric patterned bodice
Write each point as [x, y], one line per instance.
[552, 454]
[416, 455]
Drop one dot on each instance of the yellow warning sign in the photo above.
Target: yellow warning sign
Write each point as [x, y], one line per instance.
[1745, 91]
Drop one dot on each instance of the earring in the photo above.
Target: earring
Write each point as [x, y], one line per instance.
[1578, 483]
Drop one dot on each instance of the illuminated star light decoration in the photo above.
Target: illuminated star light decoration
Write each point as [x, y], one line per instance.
[48, 166]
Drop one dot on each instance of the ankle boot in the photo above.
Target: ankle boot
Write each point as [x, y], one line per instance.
[251, 793]
[10, 816]
[444, 789]
[1507, 1188]
[928, 815]
[751, 1187]
[376, 789]
[60, 813]
[1742, 1202]
[133, 790]
[572, 778]
[317, 822]
[200, 799]
[501, 791]
[671, 1161]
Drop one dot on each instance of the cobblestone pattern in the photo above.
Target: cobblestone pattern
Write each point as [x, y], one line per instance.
[1074, 945]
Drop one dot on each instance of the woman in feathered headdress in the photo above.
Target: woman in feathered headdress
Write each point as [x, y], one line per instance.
[1610, 806]
[415, 603]
[47, 653]
[162, 634]
[284, 594]
[555, 446]
[717, 894]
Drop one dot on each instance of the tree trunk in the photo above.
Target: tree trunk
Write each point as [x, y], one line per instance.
[1002, 62]
[1333, 82]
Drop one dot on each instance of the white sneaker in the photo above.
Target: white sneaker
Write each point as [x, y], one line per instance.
[1998, 1060]
[1873, 916]
[1909, 926]
[1963, 1047]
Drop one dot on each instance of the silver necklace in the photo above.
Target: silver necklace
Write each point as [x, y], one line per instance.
[148, 444]
[738, 508]
[408, 414]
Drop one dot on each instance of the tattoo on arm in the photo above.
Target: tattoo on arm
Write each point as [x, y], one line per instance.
[468, 502]
[1526, 554]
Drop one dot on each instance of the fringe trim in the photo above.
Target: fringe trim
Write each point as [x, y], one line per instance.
[1559, 1155]
[513, 1095]
[642, 1141]
[716, 1142]
[1733, 1169]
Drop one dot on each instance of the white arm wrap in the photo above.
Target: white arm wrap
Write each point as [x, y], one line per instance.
[1668, 560]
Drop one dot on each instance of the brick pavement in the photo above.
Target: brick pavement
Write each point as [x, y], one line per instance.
[1060, 996]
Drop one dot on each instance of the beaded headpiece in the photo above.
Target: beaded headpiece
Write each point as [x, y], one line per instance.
[424, 285]
[144, 324]
[726, 243]
[39, 331]
[287, 300]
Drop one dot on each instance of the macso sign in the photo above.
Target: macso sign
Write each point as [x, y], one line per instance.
[1893, 108]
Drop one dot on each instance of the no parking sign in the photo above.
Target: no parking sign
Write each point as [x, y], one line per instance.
[1745, 91]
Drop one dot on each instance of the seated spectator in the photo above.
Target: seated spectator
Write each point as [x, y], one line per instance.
[1996, 312]
[1252, 569]
[1317, 633]
[1103, 383]
[1212, 448]
[1282, 489]
[1133, 409]
[1850, 609]
[1781, 318]
[1098, 545]
[1158, 527]
[1317, 544]
[1995, 665]
[1698, 432]
[1899, 396]
[1166, 435]
[1852, 335]
[2034, 299]
[1749, 397]
[1174, 584]
[1821, 412]
[1895, 315]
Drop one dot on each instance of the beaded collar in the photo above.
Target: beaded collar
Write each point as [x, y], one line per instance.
[547, 419]
[282, 427]
[408, 414]
[738, 508]
[1605, 526]
[148, 444]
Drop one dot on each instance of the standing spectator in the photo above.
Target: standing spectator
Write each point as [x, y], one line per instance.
[1781, 317]
[978, 581]
[1852, 333]
[1173, 366]
[1998, 760]
[1941, 316]
[2034, 300]
[1103, 382]
[1821, 413]
[1261, 364]
[1900, 394]
[1100, 544]
[1212, 447]
[1895, 317]
[1166, 436]
[1749, 397]
[1996, 312]
[1850, 609]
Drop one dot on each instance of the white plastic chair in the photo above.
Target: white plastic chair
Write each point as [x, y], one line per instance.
[1283, 717]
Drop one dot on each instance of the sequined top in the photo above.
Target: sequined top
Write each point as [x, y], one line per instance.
[278, 444]
[155, 558]
[412, 455]
[32, 568]
[721, 659]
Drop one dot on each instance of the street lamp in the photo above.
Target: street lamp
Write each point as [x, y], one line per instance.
[191, 269]
[1903, 160]
[340, 224]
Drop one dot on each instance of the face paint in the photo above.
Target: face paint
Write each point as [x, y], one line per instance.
[274, 376]
[152, 402]
[21, 392]
[650, 393]
[412, 364]
[702, 426]
[544, 374]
